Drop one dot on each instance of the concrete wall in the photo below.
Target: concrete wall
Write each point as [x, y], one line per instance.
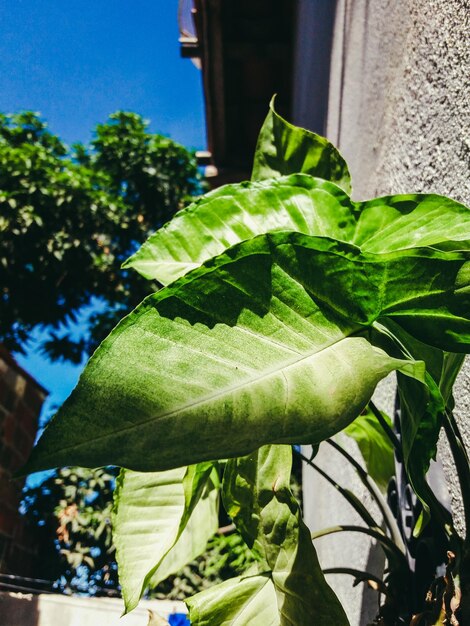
[18, 609]
[399, 110]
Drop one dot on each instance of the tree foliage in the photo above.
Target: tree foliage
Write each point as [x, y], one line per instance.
[70, 217]
[70, 516]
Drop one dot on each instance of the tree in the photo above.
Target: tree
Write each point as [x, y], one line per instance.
[69, 218]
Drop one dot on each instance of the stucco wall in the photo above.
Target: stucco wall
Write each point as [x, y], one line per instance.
[399, 110]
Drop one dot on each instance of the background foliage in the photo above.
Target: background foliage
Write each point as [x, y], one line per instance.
[70, 217]
[70, 513]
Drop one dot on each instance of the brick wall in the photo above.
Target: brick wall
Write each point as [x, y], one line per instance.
[21, 399]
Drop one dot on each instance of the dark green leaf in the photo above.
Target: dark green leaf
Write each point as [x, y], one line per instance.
[421, 415]
[68, 223]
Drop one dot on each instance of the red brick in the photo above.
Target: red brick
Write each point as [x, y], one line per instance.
[4, 390]
[33, 398]
[8, 521]
[10, 460]
[17, 461]
[5, 456]
[23, 443]
[9, 400]
[9, 493]
[27, 419]
[9, 427]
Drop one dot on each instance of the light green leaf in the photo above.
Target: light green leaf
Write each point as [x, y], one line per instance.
[159, 524]
[265, 344]
[200, 527]
[303, 204]
[283, 148]
[243, 601]
[411, 221]
[257, 495]
[375, 446]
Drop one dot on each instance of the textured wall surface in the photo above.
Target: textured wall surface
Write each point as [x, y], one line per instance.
[399, 110]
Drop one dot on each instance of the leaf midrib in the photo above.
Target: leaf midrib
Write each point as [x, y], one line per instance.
[210, 398]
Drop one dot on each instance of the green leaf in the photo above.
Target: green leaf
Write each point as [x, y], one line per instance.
[192, 542]
[421, 409]
[258, 346]
[410, 221]
[243, 601]
[160, 522]
[421, 415]
[257, 495]
[235, 213]
[283, 148]
[375, 446]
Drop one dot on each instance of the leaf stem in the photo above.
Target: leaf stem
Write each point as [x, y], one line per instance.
[387, 544]
[388, 431]
[462, 465]
[370, 485]
[348, 495]
[360, 576]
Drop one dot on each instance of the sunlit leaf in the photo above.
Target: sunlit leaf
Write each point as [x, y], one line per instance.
[283, 148]
[156, 620]
[243, 601]
[257, 495]
[159, 524]
[304, 204]
[265, 344]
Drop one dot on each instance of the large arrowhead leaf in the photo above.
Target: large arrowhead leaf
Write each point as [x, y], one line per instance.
[283, 148]
[260, 345]
[161, 521]
[300, 203]
[257, 495]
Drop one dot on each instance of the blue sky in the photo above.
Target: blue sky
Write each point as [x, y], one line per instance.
[77, 61]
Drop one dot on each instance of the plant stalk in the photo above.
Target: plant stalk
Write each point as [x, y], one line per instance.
[370, 485]
[391, 434]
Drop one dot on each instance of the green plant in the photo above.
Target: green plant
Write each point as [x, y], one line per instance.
[69, 218]
[285, 304]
